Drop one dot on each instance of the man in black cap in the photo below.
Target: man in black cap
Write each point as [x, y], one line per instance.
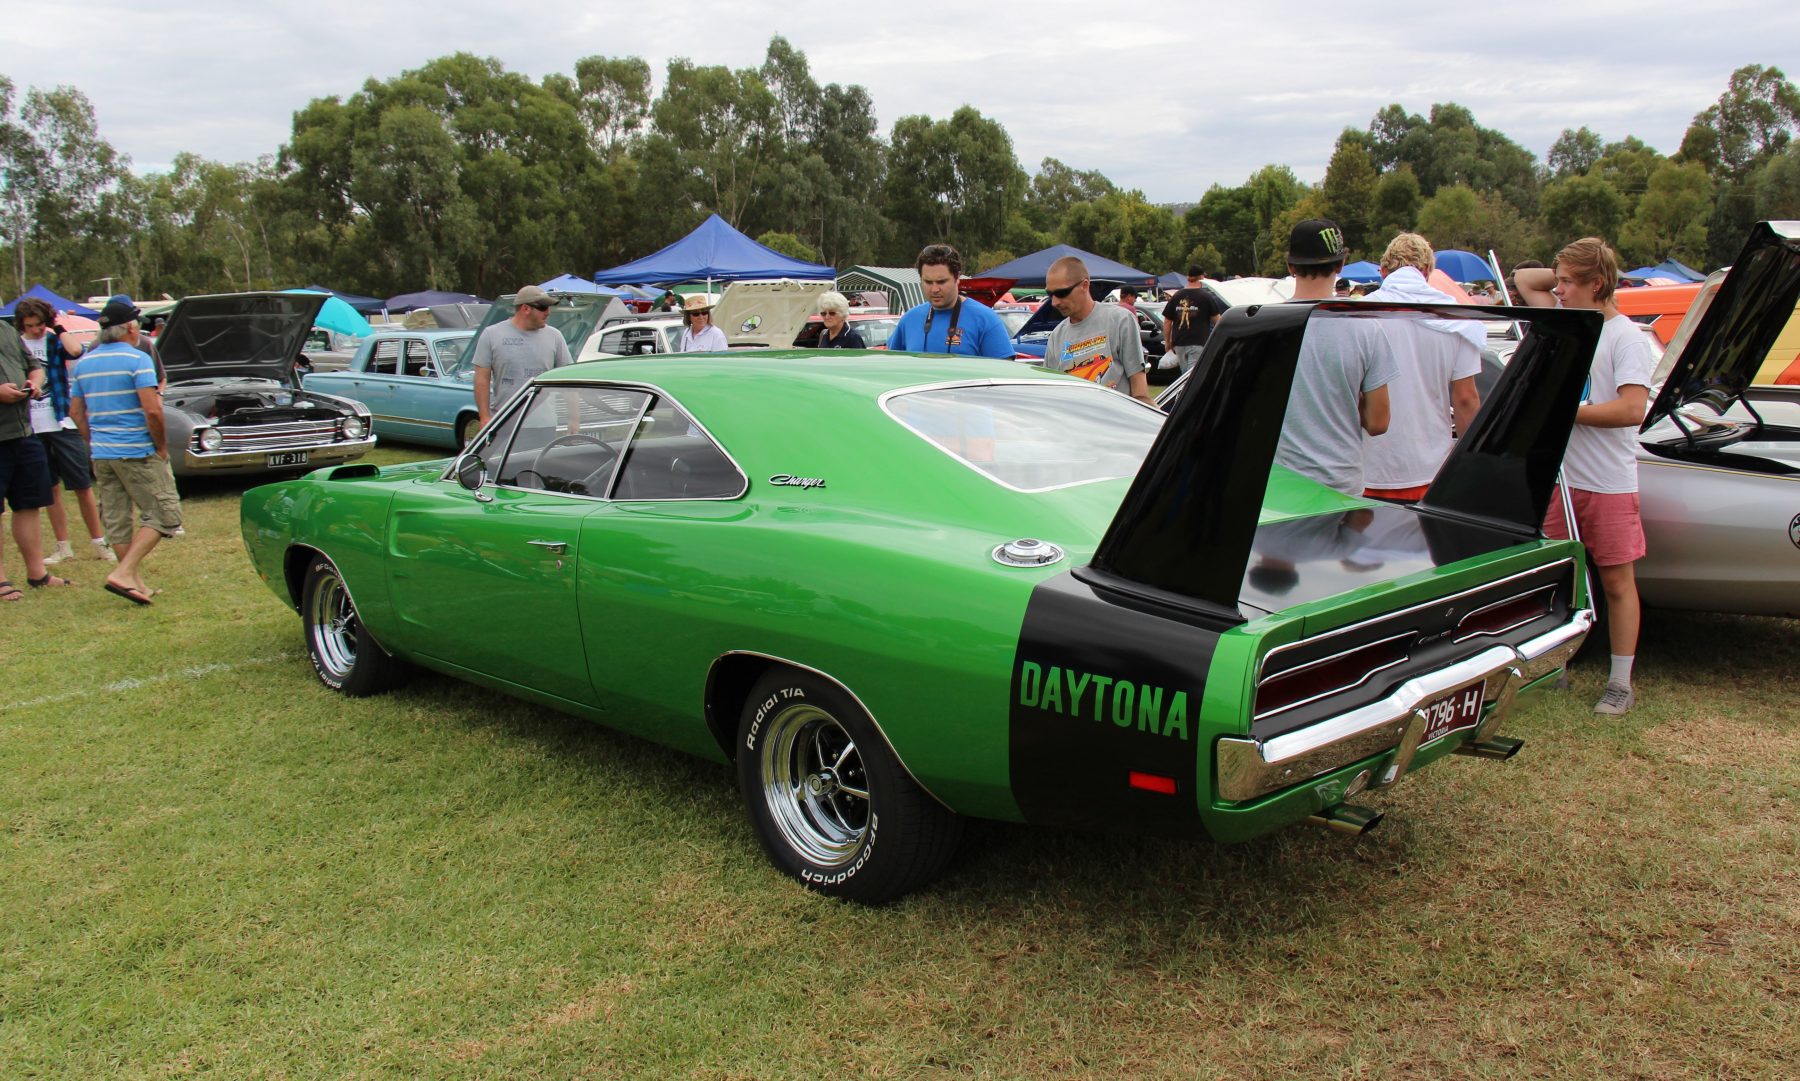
[1340, 385]
[124, 427]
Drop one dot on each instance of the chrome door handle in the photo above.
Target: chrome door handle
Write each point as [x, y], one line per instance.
[555, 548]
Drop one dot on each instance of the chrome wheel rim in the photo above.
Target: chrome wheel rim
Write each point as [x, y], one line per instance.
[471, 427]
[334, 627]
[814, 785]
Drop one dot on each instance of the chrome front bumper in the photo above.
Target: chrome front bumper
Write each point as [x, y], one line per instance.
[257, 461]
[1248, 767]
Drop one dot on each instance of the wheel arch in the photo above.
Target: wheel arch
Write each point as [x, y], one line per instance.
[294, 563]
[463, 416]
[728, 685]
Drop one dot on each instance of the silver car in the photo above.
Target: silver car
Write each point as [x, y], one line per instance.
[1719, 451]
[230, 406]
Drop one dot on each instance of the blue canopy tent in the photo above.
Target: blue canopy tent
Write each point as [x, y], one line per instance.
[1029, 270]
[1174, 279]
[569, 283]
[1361, 272]
[713, 252]
[1672, 269]
[364, 305]
[60, 303]
[1465, 266]
[406, 302]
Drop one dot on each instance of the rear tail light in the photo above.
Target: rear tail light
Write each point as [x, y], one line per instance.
[1329, 675]
[1503, 616]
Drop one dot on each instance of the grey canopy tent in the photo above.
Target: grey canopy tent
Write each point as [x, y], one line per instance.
[901, 284]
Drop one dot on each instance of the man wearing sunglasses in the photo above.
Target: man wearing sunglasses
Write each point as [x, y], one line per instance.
[1095, 341]
[949, 322]
[510, 354]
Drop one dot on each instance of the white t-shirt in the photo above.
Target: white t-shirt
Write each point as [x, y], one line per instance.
[1605, 459]
[1341, 360]
[1430, 354]
[43, 414]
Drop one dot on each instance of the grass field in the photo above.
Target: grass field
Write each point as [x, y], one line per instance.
[211, 867]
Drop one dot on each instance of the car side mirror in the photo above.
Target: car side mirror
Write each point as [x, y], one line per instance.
[471, 472]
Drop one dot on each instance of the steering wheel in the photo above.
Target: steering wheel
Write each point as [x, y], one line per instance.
[536, 481]
[609, 458]
[580, 439]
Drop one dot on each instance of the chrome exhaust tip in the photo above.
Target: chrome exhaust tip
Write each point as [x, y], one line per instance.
[1346, 818]
[1498, 748]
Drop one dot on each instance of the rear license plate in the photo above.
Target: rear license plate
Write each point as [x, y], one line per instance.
[1458, 709]
[287, 457]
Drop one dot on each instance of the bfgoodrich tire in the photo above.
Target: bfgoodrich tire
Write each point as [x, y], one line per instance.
[342, 652]
[830, 803]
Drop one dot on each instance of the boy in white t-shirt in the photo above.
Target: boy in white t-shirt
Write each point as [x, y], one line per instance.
[1600, 466]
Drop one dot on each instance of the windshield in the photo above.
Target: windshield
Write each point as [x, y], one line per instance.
[448, 352]
[1032, 436]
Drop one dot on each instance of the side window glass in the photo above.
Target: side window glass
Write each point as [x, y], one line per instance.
[418, 357]
[671, 458]
[385, 360]
[570, 440]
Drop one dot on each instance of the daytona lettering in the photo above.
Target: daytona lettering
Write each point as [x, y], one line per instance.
[1069, 693]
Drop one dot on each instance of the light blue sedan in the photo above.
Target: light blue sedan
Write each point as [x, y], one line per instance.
[414, 384]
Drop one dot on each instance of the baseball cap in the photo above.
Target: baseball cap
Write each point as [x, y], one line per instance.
[1316, 242]
[531, 294]
[118, 311]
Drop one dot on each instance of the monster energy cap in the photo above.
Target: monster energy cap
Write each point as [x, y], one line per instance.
[1315, 242]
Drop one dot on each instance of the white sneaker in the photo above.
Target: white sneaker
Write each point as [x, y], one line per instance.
[103, 550]
[1616, 701]
[63, 551]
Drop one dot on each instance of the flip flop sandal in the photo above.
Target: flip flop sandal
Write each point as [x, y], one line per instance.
[48, 579]
[10, 592]
[133, 595]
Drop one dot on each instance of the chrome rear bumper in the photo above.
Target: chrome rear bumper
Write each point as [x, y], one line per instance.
[1249, 767]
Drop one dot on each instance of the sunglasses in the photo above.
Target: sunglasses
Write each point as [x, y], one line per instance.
[541, 306]
[1063, 293]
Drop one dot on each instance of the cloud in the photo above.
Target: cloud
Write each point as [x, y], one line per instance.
[1168, 105]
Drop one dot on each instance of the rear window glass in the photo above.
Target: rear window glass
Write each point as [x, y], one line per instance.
[1032, 436]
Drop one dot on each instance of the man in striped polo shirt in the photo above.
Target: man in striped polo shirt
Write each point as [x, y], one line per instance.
[115, 403]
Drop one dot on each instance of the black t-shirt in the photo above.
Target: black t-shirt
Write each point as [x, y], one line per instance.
[1190, 314]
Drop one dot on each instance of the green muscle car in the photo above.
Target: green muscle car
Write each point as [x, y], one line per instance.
[899, 590]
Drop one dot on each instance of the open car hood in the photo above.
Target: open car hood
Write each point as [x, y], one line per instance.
[229, 335]
[1726, 336]
[768, 314]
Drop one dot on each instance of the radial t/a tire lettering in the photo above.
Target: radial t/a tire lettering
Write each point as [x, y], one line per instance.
[830, 802]
[344, 655]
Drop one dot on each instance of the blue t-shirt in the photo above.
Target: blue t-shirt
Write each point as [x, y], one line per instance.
[107, 379]
[980, 332]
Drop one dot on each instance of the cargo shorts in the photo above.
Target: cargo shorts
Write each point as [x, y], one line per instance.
[144, 484]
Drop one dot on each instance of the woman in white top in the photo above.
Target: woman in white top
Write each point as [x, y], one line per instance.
[1600, 466]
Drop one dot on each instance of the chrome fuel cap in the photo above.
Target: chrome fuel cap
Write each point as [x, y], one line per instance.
[1027, 552]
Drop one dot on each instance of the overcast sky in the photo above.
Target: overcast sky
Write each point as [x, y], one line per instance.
[1168, 98]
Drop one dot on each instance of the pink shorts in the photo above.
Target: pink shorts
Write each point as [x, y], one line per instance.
[1610, 524]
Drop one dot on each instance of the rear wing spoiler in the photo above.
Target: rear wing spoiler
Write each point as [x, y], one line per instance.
[1182, 536]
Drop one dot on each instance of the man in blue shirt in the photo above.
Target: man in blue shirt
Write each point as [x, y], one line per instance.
[116, 405]
[949, 322]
